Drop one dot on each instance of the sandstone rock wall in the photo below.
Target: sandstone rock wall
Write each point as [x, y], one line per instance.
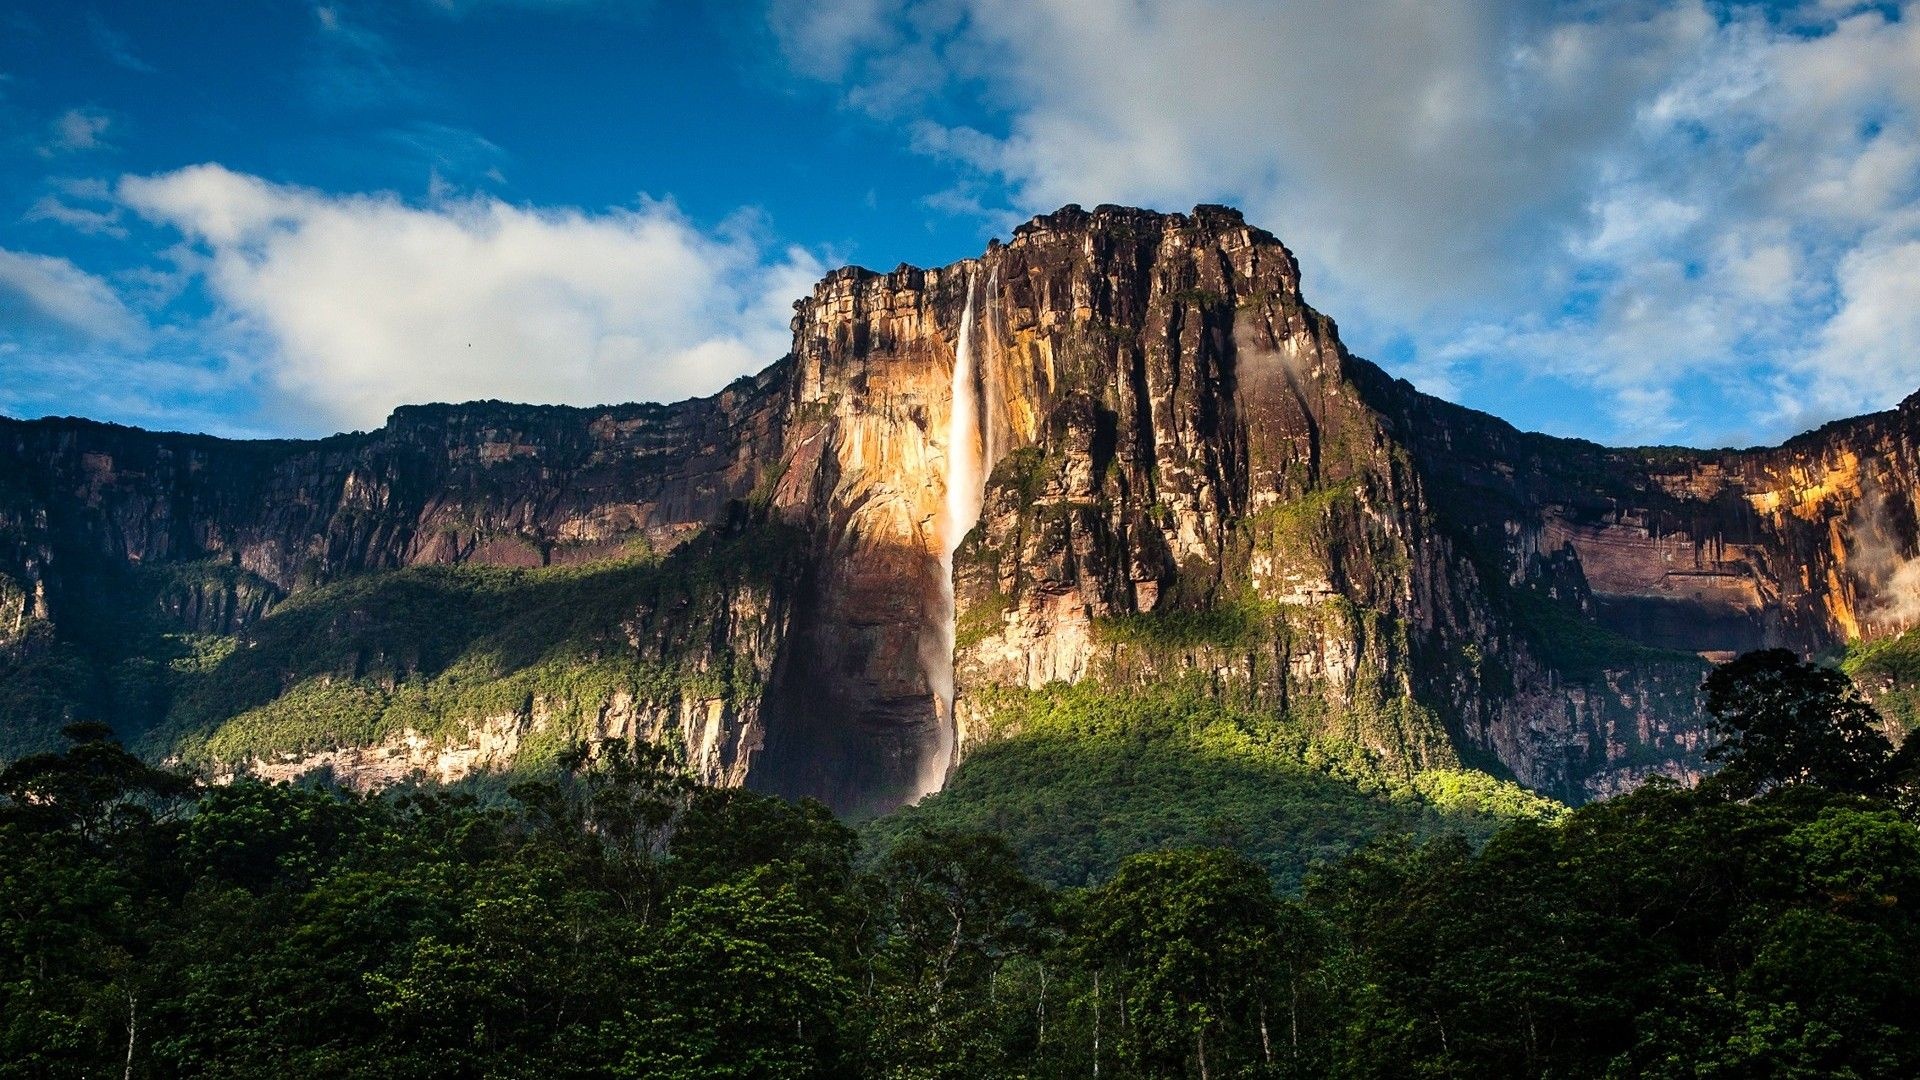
[1191, 479]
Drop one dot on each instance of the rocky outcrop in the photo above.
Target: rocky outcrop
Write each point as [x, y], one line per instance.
[862, 467]
[1804, 545]
[717, 738]
[1189, 480]
[509, 485]
[1210, 485]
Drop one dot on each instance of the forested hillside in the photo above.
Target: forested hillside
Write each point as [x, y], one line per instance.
[619, 920]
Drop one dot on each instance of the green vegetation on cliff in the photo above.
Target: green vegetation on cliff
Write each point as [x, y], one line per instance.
[152, 651]
[1255, 649]
[1889, 670]
[436, 650]
[1580, 648]
[44, 683]
[1225, 625]
[1078, 778]
[122, 643]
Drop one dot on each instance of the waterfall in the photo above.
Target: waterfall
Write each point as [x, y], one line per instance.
[966, 484]
[989, 431]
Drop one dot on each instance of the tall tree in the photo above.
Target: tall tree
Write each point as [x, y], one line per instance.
[1779, 720]
[1188, 941]
[958, 963]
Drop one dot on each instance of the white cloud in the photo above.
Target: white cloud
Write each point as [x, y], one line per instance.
[1415, 138]
[78, 218]
[1635, 224]
[821, 39]
[57, 295]
[356, 303]
[77, 130]
[1870, 349]
[1634, 197]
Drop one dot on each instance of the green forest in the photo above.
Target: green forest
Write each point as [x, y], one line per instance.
[613, 919]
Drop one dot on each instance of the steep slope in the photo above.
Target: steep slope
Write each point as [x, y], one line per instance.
[135, 564]
[1219, 492]
[1186, 486]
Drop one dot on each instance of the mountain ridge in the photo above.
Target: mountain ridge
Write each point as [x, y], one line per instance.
[1187, 430]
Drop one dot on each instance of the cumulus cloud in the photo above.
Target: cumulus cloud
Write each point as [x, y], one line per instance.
[1631, 197]
[353, 304]
[1870, 348]
[1418, 138]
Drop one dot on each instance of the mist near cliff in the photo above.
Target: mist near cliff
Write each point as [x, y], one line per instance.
[1890, 576]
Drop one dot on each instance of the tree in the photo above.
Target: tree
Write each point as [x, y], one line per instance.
[1781, 721]
[956, 918]
[258, 835]
[725, 832]
[1189, 940]
[1903, 778]
[742, 980]
[87, 839]
[611, 805]
[95, 787]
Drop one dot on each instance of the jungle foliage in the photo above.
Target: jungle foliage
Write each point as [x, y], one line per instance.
[617, 920]
[1890, 669]
[1076, 778]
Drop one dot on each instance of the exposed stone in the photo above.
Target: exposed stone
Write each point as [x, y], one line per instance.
[1176, 432]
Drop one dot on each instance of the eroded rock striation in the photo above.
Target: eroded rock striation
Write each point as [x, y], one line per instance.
[1188, 481]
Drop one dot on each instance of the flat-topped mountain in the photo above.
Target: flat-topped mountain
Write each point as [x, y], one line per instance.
[1118, 454]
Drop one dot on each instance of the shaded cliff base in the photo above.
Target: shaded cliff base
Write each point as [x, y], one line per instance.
[1078, 777]
[475, 677]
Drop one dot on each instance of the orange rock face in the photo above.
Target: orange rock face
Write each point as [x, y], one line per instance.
[1171, 434]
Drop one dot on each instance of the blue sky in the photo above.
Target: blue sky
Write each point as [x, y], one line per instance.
[1670, 221]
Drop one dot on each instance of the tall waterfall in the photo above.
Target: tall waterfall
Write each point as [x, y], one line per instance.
[966, 490]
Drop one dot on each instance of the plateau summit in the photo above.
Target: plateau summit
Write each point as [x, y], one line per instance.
[1119, 453]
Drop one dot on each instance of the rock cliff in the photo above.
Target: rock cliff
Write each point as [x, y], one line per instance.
[1184, 479]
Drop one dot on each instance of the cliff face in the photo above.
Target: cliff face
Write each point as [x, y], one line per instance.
[862, 468]
[122, 548]
[1187, 481]
[1219, 492]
